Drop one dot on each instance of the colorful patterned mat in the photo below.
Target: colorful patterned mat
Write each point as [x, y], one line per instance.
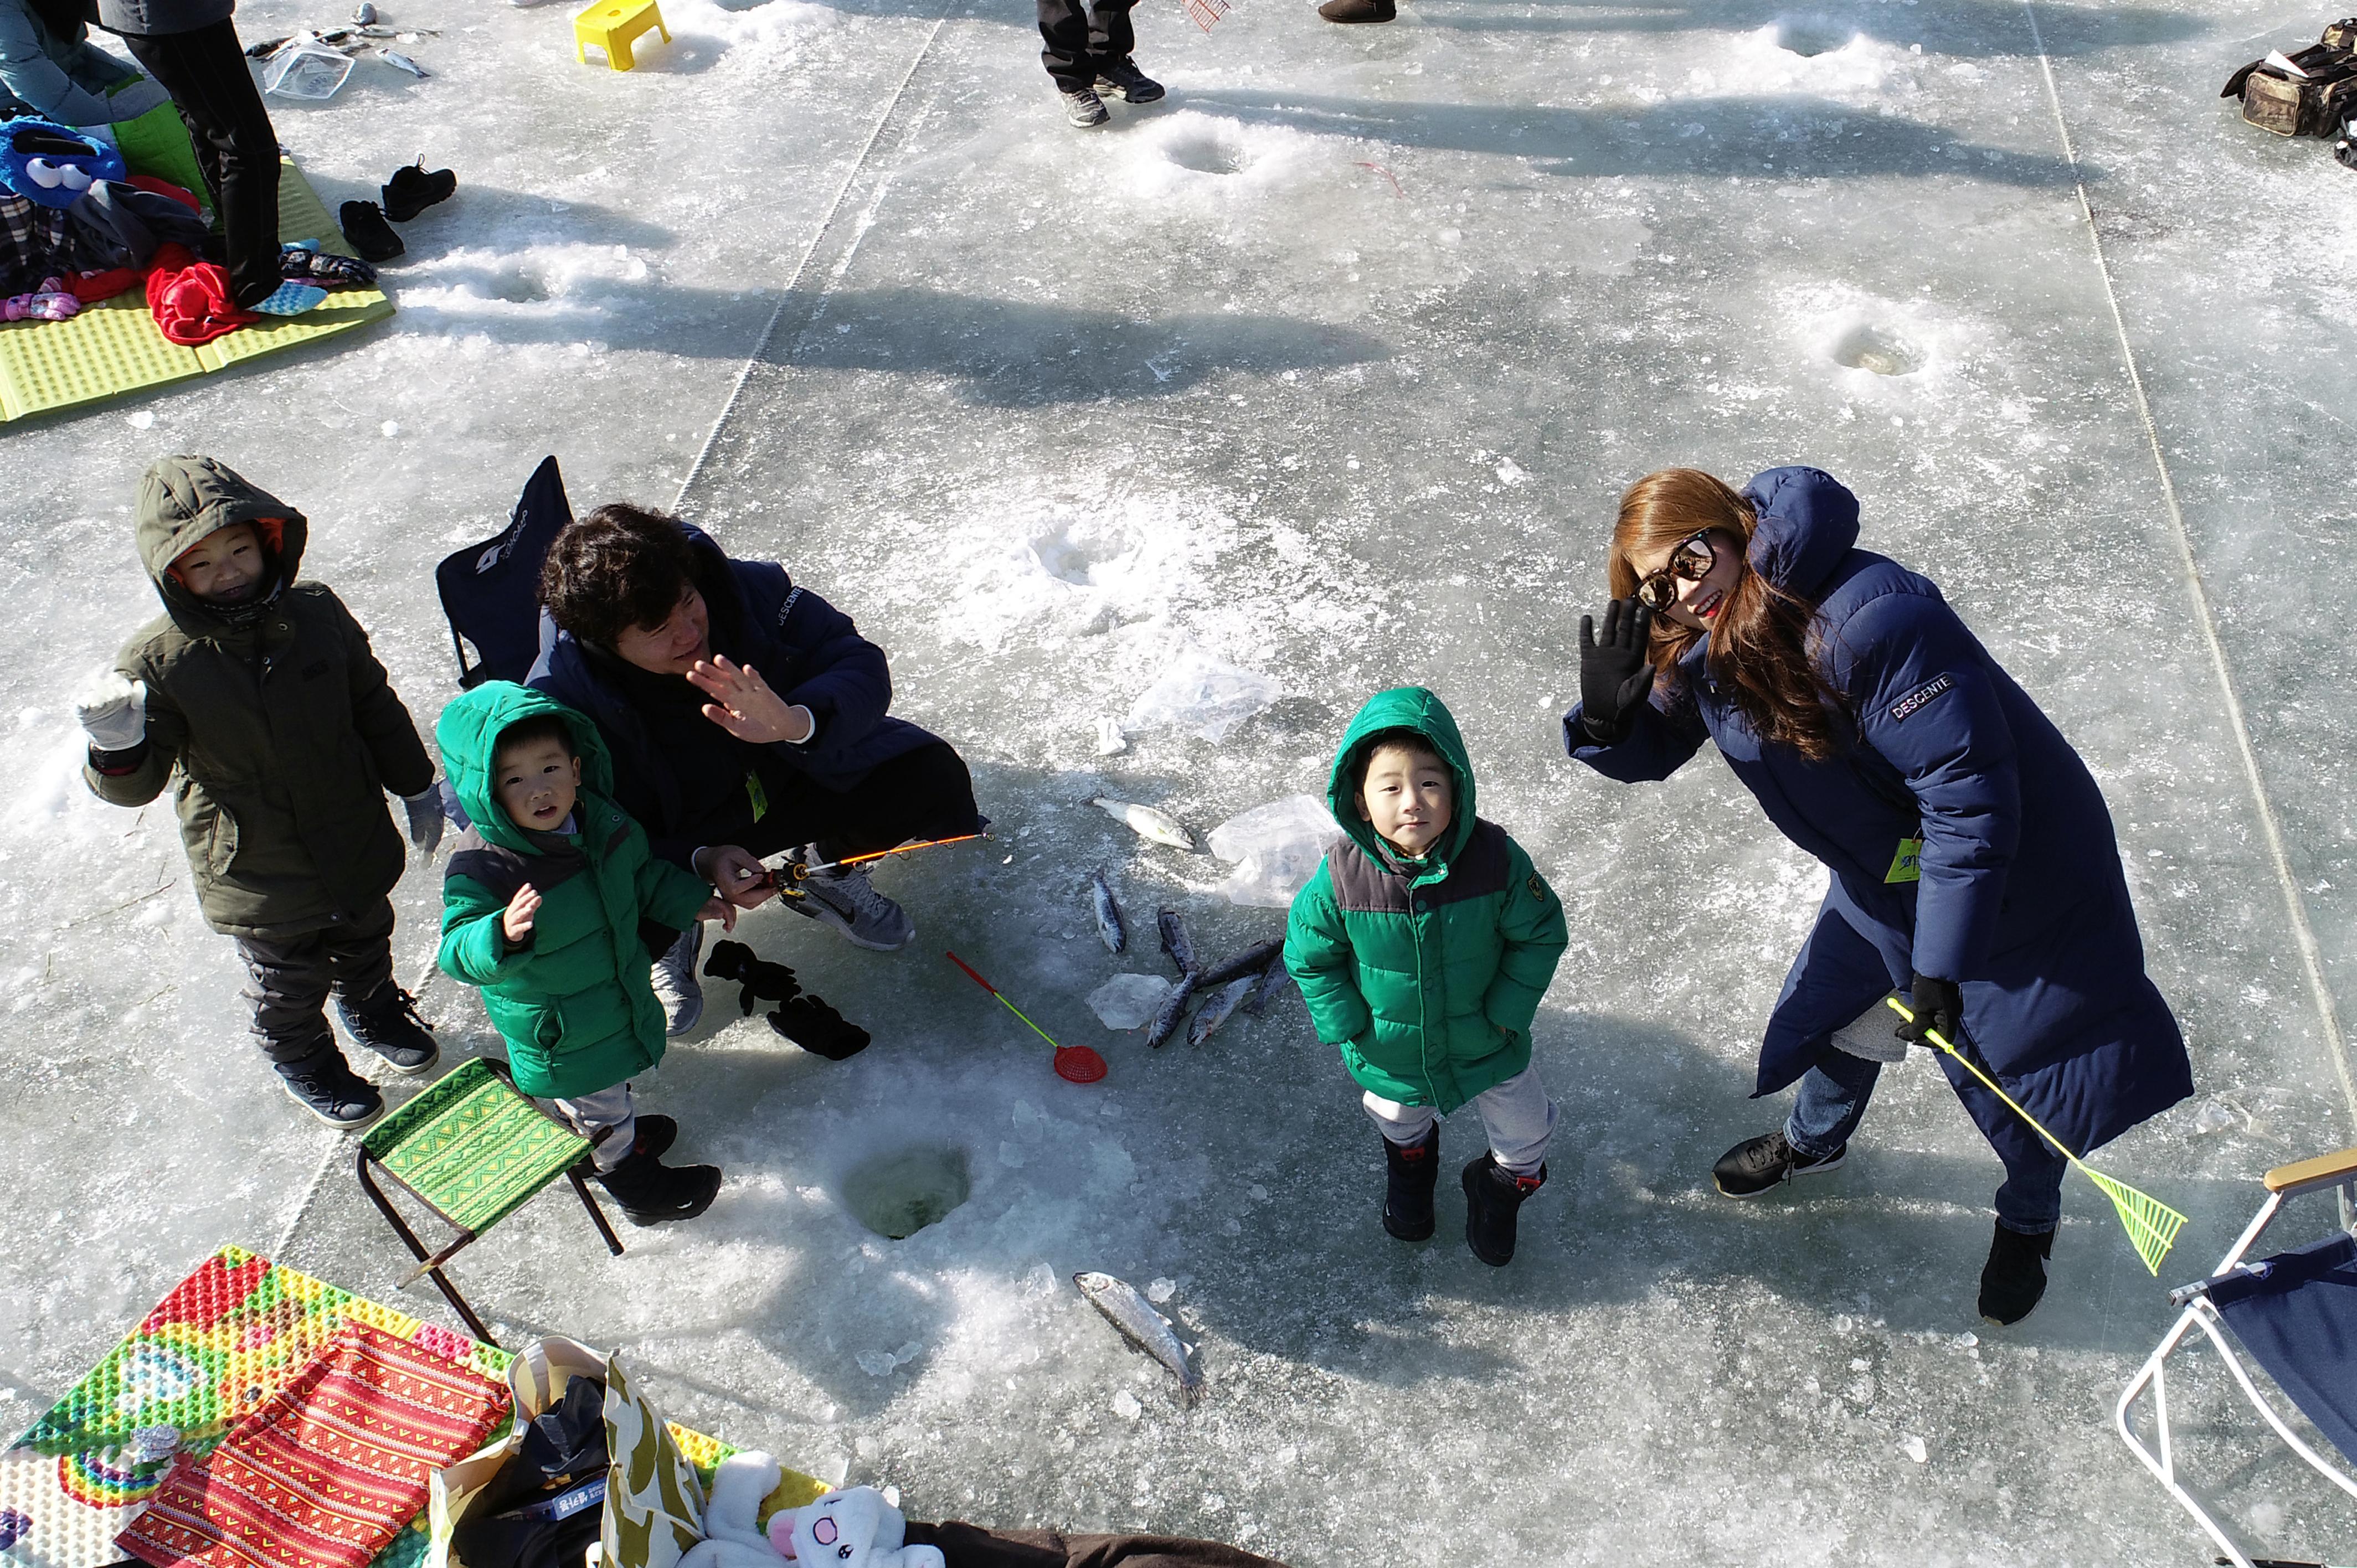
[115, 347]
[227, 1338]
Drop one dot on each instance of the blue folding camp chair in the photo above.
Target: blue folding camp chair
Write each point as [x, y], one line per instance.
[2293, 1314]
[490, 591]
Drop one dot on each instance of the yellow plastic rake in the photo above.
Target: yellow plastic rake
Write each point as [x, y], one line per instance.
[2152, 1226]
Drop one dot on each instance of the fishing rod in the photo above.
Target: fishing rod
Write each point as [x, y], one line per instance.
[781, 878]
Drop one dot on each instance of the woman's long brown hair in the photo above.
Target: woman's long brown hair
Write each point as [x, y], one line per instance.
[1758, 645]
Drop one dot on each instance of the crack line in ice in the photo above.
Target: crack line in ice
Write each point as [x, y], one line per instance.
[827, 226]
[2310, 958]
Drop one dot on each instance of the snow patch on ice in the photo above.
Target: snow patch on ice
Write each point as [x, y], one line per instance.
[1208, 157]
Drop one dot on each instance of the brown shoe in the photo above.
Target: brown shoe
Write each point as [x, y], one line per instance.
[1358, 10]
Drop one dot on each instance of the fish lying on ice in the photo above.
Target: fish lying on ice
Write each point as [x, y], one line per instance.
[1173, 1009]
[1215, 1011]
[1252, 960]
[1145, 822]
[1274, 979]
[1108, 913]
[1175, 940]
[1142, 1326]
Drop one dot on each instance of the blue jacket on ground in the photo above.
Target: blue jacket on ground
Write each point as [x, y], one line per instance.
[808, 651]
[2021, 897]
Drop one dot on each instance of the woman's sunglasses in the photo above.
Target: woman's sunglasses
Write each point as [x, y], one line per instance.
[1692, 560]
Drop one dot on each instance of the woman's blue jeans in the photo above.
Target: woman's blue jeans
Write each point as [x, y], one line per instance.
[1833, 1099]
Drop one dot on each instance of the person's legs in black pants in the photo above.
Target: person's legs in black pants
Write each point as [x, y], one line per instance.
[922, 794]
[205, 72]
[1111, 39]
[1064, 26]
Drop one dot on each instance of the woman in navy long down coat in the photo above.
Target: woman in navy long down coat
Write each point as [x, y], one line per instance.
[1972, 859]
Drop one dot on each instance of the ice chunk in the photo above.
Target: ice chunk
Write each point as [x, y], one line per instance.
[1111, 742]
[1200, 693]
[1914, 1449]
[1161, 1290]
[876, 1363]
[1126, 1405]
[1128, 1000]
[2212, 1117]
[1275, 848]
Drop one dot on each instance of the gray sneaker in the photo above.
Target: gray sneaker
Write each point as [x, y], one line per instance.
[849, 902]
[1085, 109]
[676, 987]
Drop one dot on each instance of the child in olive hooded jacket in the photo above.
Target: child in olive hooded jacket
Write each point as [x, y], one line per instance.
[1423, 946]
[541, 907]
[255, 699]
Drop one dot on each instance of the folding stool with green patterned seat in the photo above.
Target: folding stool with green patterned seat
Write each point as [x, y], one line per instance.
[473, 1149]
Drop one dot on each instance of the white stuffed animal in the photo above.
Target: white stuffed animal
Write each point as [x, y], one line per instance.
[731, 1538]
[853, 1529]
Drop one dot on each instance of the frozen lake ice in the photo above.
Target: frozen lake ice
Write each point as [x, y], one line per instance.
[1331, 368]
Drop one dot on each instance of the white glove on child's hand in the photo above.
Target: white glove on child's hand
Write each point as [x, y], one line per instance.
[424, 810]
[113, 712]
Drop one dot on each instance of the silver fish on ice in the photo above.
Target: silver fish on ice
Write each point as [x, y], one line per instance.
[1215, 1011]
[1175, 940]
[1145, 822]
[1173, 1009]
[1252, 960]
[1274, 979]
[1142, 1326]
[1108, 913]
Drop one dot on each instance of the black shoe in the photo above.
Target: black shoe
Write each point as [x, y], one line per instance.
[1493, 1200]
[1127, 82]
[651, 1193]
[2014, 1278]
[1413, 1172]
[1358, 10]
[656, 1134]
[368, 232]
[388, 1024]
[1760, 1165]
[414, 189]
[818, 1028]
[321, 1084]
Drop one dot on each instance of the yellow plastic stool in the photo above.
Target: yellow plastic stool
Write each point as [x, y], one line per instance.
[611, 26]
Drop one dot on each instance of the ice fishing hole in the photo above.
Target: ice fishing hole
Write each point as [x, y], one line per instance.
[1873, 348]
[1209, 152]
[899, 1194]
[517, 286]
[1811, 36]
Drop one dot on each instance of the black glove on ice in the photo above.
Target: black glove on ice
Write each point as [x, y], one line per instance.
[818, 1028]
[1939, 1004]
[1615, 676]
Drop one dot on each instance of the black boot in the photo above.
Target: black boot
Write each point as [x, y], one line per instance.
[2014, 1278]
[651, 1192]
[388, 1024]
[1413, 1170]
[656, 1134]
[413, 189]
[368, 232]
[1493, 1197]
[322, 1084]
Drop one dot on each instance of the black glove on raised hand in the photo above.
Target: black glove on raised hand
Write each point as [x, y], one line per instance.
[1938, 1004]
[1615, 676]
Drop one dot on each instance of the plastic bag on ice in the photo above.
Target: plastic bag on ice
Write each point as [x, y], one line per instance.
[1276, 848]
[303, 67]
[1196, 692]
[1128, 1000]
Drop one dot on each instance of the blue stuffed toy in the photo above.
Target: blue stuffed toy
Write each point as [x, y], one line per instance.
[51, 164]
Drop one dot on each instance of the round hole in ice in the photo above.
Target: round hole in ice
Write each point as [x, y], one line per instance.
[899, 1193]
[1876, 349]
[517, 286]
[1209, 150]
[1084, 553]
[1811, 36]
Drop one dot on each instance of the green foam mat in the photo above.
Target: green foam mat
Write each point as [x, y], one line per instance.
[115, 347]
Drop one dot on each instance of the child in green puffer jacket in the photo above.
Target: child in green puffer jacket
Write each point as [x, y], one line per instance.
[1423, 946]
[540, 908]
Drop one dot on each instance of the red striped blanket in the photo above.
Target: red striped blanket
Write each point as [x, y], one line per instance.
[326, 1472]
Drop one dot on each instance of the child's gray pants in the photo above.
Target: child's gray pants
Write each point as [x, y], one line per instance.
[610, 1111]
[1517, 1115]
[290, 978]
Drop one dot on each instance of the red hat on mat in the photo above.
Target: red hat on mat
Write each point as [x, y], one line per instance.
[190, 299]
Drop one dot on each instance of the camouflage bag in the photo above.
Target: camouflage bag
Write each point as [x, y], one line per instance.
[2315, 97]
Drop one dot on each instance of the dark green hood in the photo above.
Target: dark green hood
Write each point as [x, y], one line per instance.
[1402, 707]
[184, 501]
[469, 730]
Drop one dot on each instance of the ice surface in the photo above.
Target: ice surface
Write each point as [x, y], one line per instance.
[1331, 367]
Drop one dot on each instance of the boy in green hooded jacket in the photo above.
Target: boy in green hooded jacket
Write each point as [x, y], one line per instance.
[1423, 946]
[541, 907]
